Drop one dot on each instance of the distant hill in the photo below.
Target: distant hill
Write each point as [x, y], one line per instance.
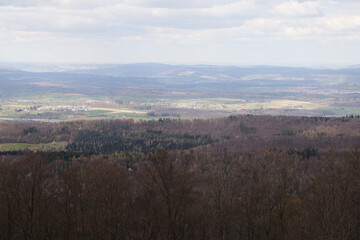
[223, 89]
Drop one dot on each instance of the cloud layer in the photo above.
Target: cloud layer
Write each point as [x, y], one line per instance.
[220, 31]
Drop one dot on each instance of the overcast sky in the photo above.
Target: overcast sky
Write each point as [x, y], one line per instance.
[273, 32]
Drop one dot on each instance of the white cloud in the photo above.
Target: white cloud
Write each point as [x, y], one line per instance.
[185, 25]
[298, 9]
[342, 23]
[231, 9]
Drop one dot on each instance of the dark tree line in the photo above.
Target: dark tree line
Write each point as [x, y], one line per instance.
[144, 141]
[182, 195]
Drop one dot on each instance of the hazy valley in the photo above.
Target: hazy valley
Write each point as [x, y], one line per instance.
[157, 90]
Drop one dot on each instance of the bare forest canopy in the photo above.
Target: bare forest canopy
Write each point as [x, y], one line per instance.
[68, 92]
[155, 163]
[247, 132]
[236, 177]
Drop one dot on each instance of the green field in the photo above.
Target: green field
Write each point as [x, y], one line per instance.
[54, 146]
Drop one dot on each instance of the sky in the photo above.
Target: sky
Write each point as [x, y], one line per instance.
[242, 32]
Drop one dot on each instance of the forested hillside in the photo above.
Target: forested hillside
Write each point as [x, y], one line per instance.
[239, 177]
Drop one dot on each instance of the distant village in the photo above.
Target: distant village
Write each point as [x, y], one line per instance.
[55, 108]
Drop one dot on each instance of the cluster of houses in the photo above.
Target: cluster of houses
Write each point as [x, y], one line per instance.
[65, 108]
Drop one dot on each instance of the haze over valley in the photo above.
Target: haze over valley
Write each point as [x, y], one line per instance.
[68, 92]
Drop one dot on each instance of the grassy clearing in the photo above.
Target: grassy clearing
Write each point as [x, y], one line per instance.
[35, 147]
[282, 104]
[98, 112]
[117, 110]
[241, 104]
